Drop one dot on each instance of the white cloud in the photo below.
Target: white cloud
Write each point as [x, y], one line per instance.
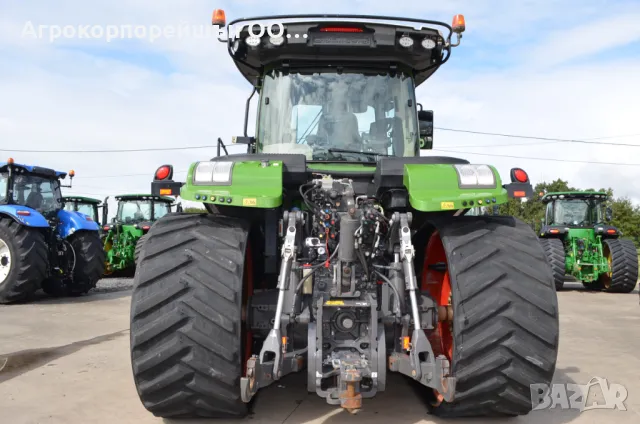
[590, 38]
[85, 94]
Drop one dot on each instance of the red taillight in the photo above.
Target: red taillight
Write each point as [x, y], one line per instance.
[341, 29]
[24, 213]
[520, 176]
[89, 218]
[106, 228]
[146, 228]
[611, 231]
[162, 172]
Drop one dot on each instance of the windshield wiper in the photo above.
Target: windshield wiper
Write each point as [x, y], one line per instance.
[332, 150]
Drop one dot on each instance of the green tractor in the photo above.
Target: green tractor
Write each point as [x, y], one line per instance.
[87, 206]
[125, 234]
[335, 247]
[579, 242]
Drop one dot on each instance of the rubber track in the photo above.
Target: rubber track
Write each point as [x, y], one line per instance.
[29, 258]
[624, 257]
[90, 258]
[505, 307]
[138, 249]
[556, 257]
[186, 317]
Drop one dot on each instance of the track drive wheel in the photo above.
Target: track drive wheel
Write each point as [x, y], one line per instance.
[188, 342]
[622, 256]
[498, 310]
[23, 261]
[556, 256]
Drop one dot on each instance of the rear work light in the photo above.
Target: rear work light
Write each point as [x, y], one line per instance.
[164, 172]
[519, 175]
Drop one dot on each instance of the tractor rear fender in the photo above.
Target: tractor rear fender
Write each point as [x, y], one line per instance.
[24, 216]
[71, 221]
[439, 187]
[250, 183]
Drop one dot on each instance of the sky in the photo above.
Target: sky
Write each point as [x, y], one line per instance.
[546, 68]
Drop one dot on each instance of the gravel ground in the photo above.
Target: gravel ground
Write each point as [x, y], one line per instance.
[108, 285]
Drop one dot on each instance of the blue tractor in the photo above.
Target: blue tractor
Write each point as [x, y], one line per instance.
[42, 245]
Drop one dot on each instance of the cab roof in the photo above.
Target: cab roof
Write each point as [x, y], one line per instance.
[81, 199]
[333, 41]
[34, 169]
[145, 197]
[561, 195]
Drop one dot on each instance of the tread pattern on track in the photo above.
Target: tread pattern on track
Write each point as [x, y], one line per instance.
[186, 317]
[554, 248]
[624, 257]
[506, 327]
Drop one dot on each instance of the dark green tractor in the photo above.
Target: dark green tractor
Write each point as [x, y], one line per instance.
[338, 245]
[580, 242]
[125, 234]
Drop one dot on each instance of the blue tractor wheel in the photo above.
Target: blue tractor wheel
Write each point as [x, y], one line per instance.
[23, 261]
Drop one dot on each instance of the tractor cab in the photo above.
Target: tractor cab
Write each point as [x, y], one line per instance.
[85, 205]
[577, 212]
[31, 188]
[341, 90]
[141, 210]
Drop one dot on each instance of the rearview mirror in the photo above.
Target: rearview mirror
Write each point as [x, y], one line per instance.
[425, 122]
[608, 213]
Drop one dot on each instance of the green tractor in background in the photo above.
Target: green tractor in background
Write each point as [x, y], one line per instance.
[334, 248]
[579, 242]
[125, 234]
[88, 206]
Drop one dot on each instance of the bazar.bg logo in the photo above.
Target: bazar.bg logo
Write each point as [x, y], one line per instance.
[597, 394]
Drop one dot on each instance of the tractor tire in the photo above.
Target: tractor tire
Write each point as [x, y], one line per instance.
[624, 262]
[24, 261]
[89, 267]
[556, 257]
[136, 253]
[90, 259]
[187, 349]
[505, 329]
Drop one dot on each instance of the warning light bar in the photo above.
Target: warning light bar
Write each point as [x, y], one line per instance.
[341, 29]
